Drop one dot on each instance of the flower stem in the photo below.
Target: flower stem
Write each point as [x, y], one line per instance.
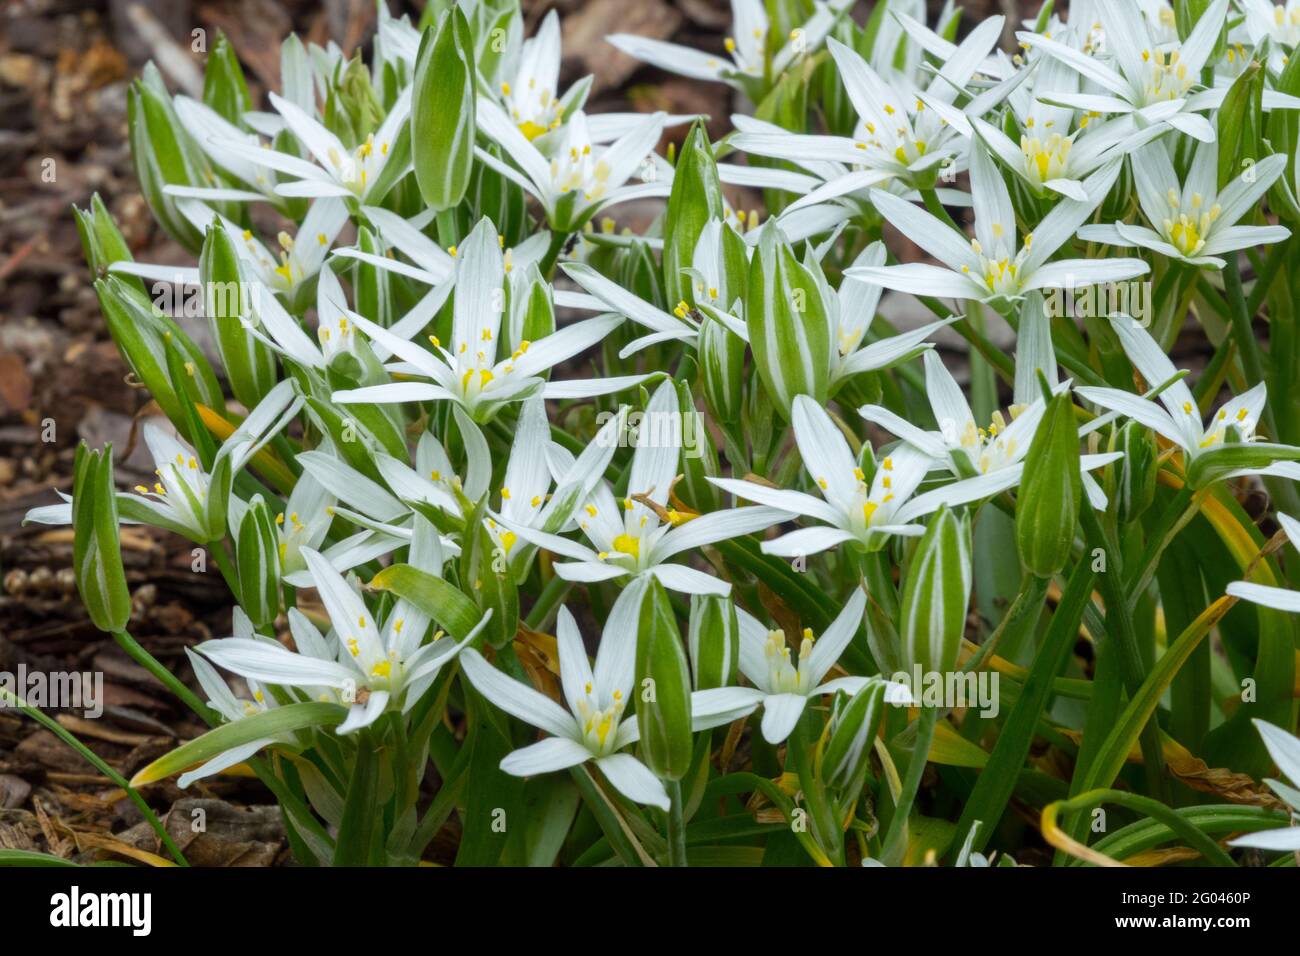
[676, 825]
[95, 761]
[896, 838]
[552, 594]
[166, 677]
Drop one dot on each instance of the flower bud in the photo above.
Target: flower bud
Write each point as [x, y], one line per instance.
[936, 593]
[96, 548]
[258, 558]
[714, 641]
[663, 682]
[1135, 473]
[443, 112]
[853, 727]
[1047, 508]
[250, 365]
[788, 325]
[696, 198]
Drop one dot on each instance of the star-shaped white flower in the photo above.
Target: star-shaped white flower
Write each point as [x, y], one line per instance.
[996, 265]
[1193, 221]
[638, 535]
[783, 684]
[595, 726]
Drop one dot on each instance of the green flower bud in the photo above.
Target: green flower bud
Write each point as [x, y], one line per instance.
[713, 638]
[443, 120]
[258, 558]
[250, 365]
[936, 593]
[854, 721]
[788, 324]
[96, 548]
[696, 198]
[663, 682]
[1135, 473]
[1047, 508]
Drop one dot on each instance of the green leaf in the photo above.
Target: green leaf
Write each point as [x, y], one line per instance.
[453, 611]
[268, 723]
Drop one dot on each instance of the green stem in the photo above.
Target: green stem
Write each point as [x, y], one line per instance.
[166, 677]
[1119, 627]
[896, 838]
[54, 727]
[997, 781]
[552, 594]
[1251, 361]
[558, 239]
[676, 825]
[936, 208]
[1023, 614]
[224, 564]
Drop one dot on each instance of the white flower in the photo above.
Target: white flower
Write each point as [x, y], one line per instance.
[232, 708]
[783, 685]
[580, 177]
[1194, 222]
[1049, 156]
[996, 265]
[856, 508]
[636, 537]
[469, 371]
[1179, 420]
[1285, 751]
[747, 46]
[362, 174]
[969, 449]
[1150, 74]
[373, 665]
[901, 132]
[594, 727]
[534, 464]
[211, 132]
[1281, 599]
[1279, 23]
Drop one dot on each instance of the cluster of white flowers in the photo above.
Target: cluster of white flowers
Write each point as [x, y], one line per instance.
[422, 357]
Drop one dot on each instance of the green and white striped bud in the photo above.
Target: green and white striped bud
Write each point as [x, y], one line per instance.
[696, 198]
[936, 594]
[789, 330]
[443, 119]
[713, 638]
[663, 682]
[853, 722]
[257, 554]
[1047, 507]
[250, 365]
[164, 155]
[96, 548]
[1134, 474]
